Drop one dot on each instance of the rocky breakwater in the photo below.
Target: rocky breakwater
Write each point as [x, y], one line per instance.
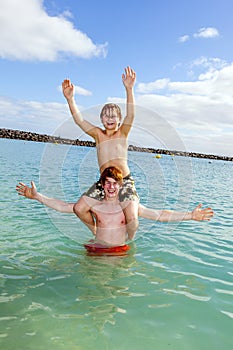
[30, 136]
[179, 153]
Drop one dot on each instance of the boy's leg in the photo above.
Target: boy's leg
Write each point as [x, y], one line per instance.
[83, 210]
[83, 207]
[130, 209]
[129, 201]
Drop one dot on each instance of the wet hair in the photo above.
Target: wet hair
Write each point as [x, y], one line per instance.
[111, 106]
[113, 173]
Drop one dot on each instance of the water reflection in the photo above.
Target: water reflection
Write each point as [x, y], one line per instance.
[103, 280]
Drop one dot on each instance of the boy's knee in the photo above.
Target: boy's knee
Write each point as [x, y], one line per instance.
[76, 208]
[132, 219]
[131, 211]
[82, 206]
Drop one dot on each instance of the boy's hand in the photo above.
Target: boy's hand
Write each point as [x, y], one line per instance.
[199, 214]
[129, 78]
[68, 89]
[28, 192]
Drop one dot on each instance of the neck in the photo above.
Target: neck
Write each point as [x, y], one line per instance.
[110, 132]
[113, 200]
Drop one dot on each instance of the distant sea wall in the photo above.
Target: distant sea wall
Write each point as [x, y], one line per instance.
[30, 136]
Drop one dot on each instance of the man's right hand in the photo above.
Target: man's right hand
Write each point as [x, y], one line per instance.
[28, 192]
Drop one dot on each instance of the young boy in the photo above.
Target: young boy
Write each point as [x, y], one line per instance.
[108, 214]
[112, 150]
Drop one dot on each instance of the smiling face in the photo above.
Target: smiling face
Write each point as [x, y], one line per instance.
[111, 116]
[111, 180]
[111, 188]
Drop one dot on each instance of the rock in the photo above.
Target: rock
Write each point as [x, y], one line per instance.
[30, 136]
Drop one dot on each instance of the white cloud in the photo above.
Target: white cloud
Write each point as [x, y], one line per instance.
[79, 90]
[184, 38]
[206, 33]
[201, 110]
[185, 115]
[31, 115]
[209, 62]
[28, 33]
[221, 144]
[153, 86]
[50, 118]
[202, 67]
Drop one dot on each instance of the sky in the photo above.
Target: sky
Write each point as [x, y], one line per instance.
[181, 51]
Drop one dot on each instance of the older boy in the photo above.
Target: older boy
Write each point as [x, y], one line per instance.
[112, 150]
[108, 214]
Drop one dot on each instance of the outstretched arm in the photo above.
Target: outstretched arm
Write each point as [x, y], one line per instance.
[197, 214]
[68, 91]
[31, 193]
[128, 80]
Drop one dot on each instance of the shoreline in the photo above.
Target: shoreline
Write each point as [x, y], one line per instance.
[31, 136]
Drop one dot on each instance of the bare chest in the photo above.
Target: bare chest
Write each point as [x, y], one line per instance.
[108, 216]
[115, 147]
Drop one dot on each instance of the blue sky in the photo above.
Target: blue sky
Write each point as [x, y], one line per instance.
[181, 51]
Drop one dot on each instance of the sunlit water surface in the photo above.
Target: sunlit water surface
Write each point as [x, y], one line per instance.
[174, 290]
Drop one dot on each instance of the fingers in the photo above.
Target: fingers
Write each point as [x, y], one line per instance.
[203, 214]
[207, 214]
[129, 72]
[208, 211]
[66, 83]
[205, 211]
[21, 188]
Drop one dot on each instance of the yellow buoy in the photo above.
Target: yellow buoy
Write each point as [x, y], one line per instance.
[158, 156]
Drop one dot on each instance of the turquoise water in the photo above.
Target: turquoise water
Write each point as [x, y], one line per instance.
[174, 290]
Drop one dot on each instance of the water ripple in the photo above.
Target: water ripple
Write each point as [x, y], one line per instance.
[49, 285]
[187, 294]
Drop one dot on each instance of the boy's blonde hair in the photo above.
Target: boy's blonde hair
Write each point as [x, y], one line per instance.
[111, 106]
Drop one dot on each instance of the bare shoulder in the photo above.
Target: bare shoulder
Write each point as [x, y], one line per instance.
[95, 132]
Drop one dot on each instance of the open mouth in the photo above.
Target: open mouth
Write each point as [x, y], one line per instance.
[111, 192]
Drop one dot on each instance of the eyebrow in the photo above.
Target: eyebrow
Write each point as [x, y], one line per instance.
[112, 182]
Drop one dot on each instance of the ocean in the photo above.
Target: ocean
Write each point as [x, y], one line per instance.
[173, 290]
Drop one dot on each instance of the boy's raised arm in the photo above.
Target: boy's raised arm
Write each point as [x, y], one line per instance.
[31, 193]
[68, 92]
[128, 80]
